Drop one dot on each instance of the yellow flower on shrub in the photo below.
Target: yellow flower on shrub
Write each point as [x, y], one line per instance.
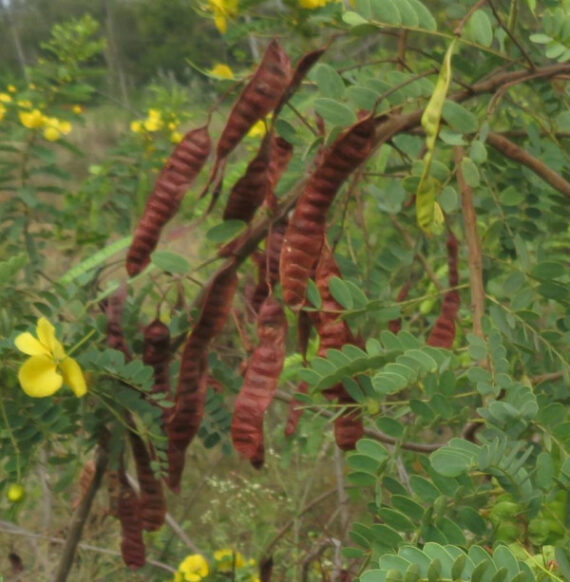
[77, 109]
[225, 559]
[312, 4]
[258, 129]
[5, 98]
[32, 119]
[176, 137]
[24, 104]
[222, 71]
[55, 128]
[223, 9]
[193, 568]
[48, 366]
[136, 126]
[2, 111]
[11, 88]
[154, 120]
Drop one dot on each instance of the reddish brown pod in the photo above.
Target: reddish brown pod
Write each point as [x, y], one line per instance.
[305, 233]
[280, 154]
[185, 420]
[251, 189]
[156, 353]
[348, 426]
[260, 381]
[442, 333]
[114, 313]
[180, 170]
[128, 512]
[152, 500]
[258, 98]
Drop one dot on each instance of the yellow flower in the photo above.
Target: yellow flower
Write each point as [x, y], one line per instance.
[5, 98]
[32, 86]
[258, 129]
[55, 128]
[11, 88]
[154, 120]
[32, 120]
[225, 559]
[2, 111]
[77, 109]
[194, 567]
[176, 137]
[222, 72]
[172, 125]
[136, 126]
[222, 9]
[25, 104]
[15, 493]
[312, 4]
[49, 366]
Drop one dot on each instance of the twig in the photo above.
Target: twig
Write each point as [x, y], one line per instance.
[13, 529]
[474, 259]
[459, 28]
[174, 525]
[372, 433]
[80, 516]
[517, 154]
[341, 492]
[511, 35]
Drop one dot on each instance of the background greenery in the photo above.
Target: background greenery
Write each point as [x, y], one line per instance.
[116, 82]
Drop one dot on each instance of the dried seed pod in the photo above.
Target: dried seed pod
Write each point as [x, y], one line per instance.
[295, 413]
[180, 170]
[348, 427]
[85, 478]
[191, 390]
[152, 501]
[280, 154]
[258, 98]
[305, 232]
[114, 312]
[156, 353]
[442, 333]
[260, 380]
[128, 512]
[252, 188]
[113, 490]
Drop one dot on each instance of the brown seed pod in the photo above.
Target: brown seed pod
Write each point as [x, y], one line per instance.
[280, 154]
[394, 325]
[295, 413]
[258, 98]
[152, 500]
[260, 380]
[348, 427]
[305, 232]
[191, 390]
[180, 170]
[156, 353]
[252, 188]
[113, 490]
[114, 313]
[128, 512]
[443, 332]
[85, 478]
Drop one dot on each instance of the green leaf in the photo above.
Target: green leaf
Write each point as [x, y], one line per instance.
[334, 112]
[459, 118]
[313, 294]
[511, 196]
[225, 231]
[540, 38]
[341, 292]
[372, 448]
[470, 172]
[425, 17]
[449, 462]
[548, 270]
[424, 489]
[396, 520]
[408, 15]
[481, 27]
[362, 97]
[385, 11]
[353, 18]
[170, 262]
[329, 82]
[408, 507]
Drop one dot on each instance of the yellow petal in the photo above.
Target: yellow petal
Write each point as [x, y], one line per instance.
[38, 377]
[220, 22]
[46, 335]
[28, 344]
[73, 376]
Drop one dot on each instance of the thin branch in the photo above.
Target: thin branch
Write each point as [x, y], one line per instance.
[459, 28]
[370, 432]
[80, 516]
[517, 154]
[12, 529]
[511, 35]
[474, 259]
